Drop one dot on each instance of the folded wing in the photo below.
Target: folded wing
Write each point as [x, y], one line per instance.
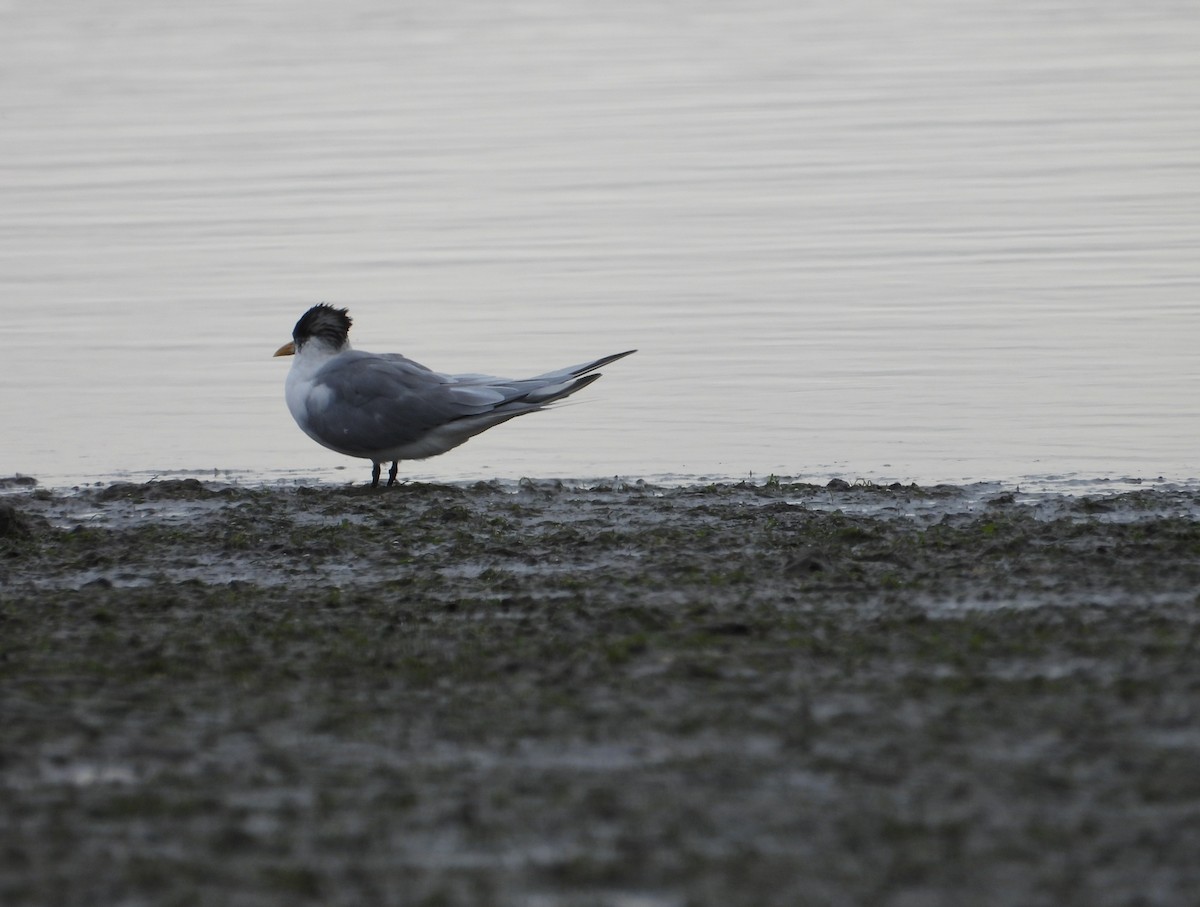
[389, 407]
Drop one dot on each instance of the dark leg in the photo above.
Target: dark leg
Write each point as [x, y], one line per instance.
[392, 473]
[374, 475]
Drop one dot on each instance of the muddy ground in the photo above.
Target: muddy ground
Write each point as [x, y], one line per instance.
[547, 694]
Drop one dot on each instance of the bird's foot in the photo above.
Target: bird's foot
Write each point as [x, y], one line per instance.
[392, 473]
[375, 476]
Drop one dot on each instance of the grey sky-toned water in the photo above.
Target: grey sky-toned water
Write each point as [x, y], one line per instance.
[925, 241]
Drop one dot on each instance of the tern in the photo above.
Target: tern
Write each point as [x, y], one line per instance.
[384, 407]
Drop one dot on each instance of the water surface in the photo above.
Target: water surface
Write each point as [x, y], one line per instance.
[931, 241]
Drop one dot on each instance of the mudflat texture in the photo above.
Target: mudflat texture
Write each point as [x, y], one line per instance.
[542, 694]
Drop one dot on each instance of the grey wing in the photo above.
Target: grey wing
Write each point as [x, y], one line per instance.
[536, 392]
[575, 371]
[364, 403]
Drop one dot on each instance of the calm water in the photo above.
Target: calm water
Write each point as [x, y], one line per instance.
[922, 241]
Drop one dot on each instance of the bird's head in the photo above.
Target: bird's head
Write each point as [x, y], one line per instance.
[323, 323]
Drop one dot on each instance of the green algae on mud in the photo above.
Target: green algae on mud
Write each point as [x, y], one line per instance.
[570, 694]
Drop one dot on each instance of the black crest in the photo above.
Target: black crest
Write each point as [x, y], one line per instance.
[324, 321]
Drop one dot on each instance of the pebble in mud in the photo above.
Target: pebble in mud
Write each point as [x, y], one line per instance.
[13, 524]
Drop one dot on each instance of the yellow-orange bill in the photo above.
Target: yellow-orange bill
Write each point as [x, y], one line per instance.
[288, 349]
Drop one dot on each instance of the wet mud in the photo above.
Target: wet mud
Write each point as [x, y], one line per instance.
[563, 694]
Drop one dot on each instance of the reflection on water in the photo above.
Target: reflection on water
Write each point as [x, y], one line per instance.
[919, 241]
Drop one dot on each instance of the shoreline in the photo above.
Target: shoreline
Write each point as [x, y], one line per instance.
[738, 693]
[349, 476]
